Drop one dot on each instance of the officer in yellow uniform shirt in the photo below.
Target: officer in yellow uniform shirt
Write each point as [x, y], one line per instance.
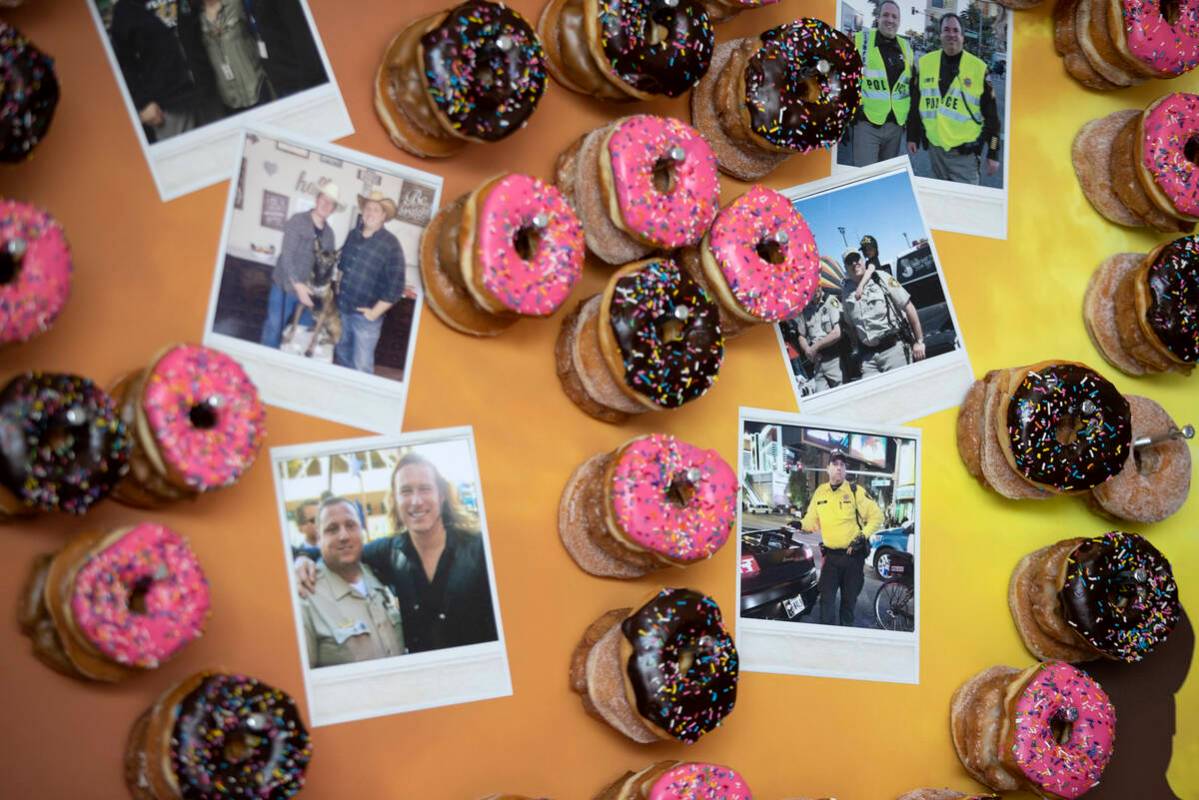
[350, 616]
[886, 88]
[958, 115]
[846, 516]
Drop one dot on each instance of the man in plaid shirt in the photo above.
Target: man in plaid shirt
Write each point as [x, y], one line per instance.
[372, 281]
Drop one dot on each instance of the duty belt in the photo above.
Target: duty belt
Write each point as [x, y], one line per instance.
[885, 343]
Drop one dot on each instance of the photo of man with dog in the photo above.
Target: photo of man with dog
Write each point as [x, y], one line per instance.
[318, 271]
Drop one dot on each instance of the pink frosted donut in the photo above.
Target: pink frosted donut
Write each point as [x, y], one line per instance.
[1149, 37]
[205, 415]
[693, 781]
[767, 255]
[518, 206]
[673, 498]
[680, 215]
[1169, 129]
[35, 271]
[1060, 696]
[153, 561]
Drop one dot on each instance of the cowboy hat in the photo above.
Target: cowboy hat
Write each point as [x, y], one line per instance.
[389, 206]
[331, 191]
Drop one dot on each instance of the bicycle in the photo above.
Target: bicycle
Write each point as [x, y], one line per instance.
[895, 600]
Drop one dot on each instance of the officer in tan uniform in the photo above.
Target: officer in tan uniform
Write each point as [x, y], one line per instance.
[350, 616]
[820, 329]
[874, 307]
[846, 517]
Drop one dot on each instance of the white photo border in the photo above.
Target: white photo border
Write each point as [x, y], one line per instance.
[364, 401]
[319, 112]
[960, 207]
[788, 648]
[485, 665]
[905, 394]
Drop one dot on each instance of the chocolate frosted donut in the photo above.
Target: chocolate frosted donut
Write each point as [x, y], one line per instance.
[666, 329]
[484, 69]
[1171, 303]
[1068, 427]
[652, 47]
[802, 85]
[28, 95]
[1120, 595]
[683, 665]
[62, 443]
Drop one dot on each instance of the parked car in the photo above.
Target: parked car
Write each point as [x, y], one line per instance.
[778, 576]
[885, 544]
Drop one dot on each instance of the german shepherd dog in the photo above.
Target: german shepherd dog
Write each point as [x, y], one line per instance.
[323, 286]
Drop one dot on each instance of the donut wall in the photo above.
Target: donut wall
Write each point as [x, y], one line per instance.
[143, 277]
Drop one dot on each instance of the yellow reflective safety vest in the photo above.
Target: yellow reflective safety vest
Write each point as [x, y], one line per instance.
[878, 98]
[956, 118]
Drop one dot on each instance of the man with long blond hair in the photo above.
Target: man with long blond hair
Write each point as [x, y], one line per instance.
[434, 562]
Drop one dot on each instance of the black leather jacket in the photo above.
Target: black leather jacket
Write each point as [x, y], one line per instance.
[455, 609]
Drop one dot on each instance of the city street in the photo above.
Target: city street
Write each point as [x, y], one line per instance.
[864, 611]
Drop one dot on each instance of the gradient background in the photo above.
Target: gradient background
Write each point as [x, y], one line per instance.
[144, 270]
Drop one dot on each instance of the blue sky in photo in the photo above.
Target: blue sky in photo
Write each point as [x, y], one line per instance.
[885, 208]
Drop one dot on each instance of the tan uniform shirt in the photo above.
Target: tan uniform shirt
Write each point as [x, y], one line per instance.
[871, 317]
[818, 324]
[341, 626]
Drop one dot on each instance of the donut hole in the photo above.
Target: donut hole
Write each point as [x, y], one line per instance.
[686, 660]
[526, 241]
[1061, 726]
[770, 251]
[659, 25]
[1068, 430]
[1191, 150]
[671, 330]
[1146, 459]
[680, 491]
[811, 90]
[203, 416]
[485, 77]
[664, 177]
[240, 745]
[137, 595]
[1171, 10]
[9, 266]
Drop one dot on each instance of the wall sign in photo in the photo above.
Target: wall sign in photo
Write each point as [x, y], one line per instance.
[828, 562]
[192, 74]
[376, 636]
[880, 341]
[324, 323]
[937, 88]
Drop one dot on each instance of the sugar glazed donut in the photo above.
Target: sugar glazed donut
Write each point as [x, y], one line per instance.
[672, 780]
[1109, 44]
[1067, 428]
[724, 10]
[35, 271]
[216, 735]
[1155, 479]
[511, 248]
[1050, 729]
[758, 260]
[651, 342]
[474, 73]
[665, 670]
[28, 95]
[627, 49]
[944, 794]
[791, 90]
[1136, 169]
[197, 421]
[108, 606]
[655, 501]
[63, 446]
[639, 184]
[1111, 596]
[1142, 311]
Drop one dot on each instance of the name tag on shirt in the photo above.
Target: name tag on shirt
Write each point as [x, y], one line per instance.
[227, 71]
[262, 50]
[343, 633]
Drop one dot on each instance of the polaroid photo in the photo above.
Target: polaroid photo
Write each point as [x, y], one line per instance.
[390, 572]
[828, 532]
[342, 229]
[959, 132]
[193, 72]
[880, 341]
